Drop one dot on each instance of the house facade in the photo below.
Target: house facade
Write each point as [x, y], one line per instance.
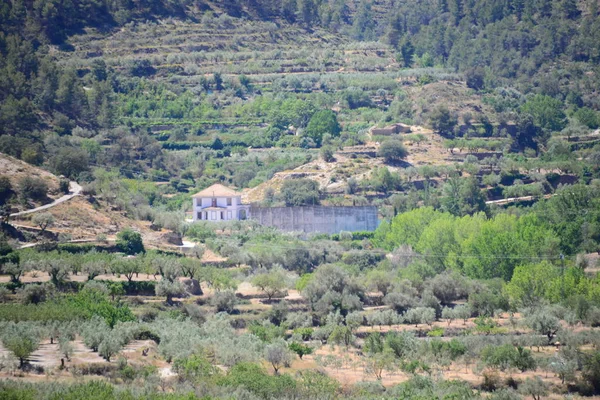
[219, 203]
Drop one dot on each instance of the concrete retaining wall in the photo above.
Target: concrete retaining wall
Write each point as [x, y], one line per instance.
[317, 218]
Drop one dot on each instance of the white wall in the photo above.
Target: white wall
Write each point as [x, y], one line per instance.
[221, 202]
[231, 212]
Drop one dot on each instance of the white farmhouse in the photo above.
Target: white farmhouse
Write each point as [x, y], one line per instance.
[219, 203]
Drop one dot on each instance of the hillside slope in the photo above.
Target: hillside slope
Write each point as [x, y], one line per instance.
[15, 170]
[77, 218]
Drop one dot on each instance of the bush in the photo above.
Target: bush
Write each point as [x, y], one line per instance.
[507, 356]
[33, 188]
[300, 349]
[200, 232]
[591, 371]
[300, 192]
[5, 189]
[392, 150]
[34, 293]
[130, 242]
[254, 378]
[327, 154]
[321, 123]
[224, 301]
[63, 186]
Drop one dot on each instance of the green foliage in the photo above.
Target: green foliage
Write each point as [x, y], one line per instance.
[5, 189]
[392, 150]
[321, 123]
[442, 120]
[21, 339]
[200, 231]
[93, 390]
[255, 379]
[300, 192]
[481, 248]
[70, 162]
[546, 111]
[82, 305]
[130, 242]
[267, 332]
[436, 332]
[271, 282]
[587, 117]
[300, 349]
[194, 368]
[33, 188]
[591, 371]
[507, 356]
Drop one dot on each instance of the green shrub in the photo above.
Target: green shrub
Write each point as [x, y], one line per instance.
[69, 307]
[33, 188]
[255, 379]
[130, 242]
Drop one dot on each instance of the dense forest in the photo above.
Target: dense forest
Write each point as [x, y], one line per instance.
[471, 125]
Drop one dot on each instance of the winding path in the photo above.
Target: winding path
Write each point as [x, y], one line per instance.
[74, 190]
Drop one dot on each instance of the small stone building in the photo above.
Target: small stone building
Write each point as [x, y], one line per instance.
[391, 130]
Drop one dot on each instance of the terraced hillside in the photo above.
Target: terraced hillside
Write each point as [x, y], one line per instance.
[254, 59]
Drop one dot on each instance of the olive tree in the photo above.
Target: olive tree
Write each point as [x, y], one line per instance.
[380, 281]
[21, 339]
[169, 289]
[170, 286]
[420, 315]
[15, 270]
[35, 293]
[109, 346]
[57, 269]
[332, 289]
[448, 314]
[379, 362]
[94, 268]
[544, 323]
[65, 347]
[272, 282]
[93, 332]
[278, 355]
[534, 387]
[128, 267]
[224, 301]
[463, 312]
[43, 220]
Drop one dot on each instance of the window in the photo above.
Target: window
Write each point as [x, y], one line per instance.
[222, 217]
[229, 201]
[214, 202]
[199, 215]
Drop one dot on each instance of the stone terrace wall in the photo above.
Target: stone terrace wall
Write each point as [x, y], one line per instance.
[317, 218]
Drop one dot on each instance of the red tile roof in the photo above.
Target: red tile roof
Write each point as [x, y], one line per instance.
[217, 190]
